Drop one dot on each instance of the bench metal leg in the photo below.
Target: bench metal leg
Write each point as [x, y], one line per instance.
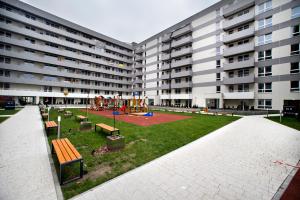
[60, 172]
[81, 168]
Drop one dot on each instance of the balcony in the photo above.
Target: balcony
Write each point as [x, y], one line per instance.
[181, 52]
[239, 35]
[183, 62]
[181, 74]
[166, 37]
[237, 21]
[165, 56]
[60, 84]
[54, 61]
[165, 66]
[165, 86]
[181, 85]
[138, 65]
[139, 50]
[176, 96]
[165, 76]
[138, 81]
[239, 80]
[165, 47]
[239, 49]
[44, 26]
[138, 73]
[238, 95]
[239, 65]
[182, 41]
[57, 51]
[138, 58]
[182, 31]
[236, 7]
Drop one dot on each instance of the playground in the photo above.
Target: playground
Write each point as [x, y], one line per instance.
[157, 118]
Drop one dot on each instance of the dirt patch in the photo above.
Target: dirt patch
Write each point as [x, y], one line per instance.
[99, 171]
[135, 141]
[126, 166]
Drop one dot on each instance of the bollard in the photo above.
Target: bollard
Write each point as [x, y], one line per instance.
[58, 128]
[48, 114]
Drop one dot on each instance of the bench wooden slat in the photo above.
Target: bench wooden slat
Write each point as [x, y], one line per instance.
[64, 152]
[68, 150]
[106, 127]
[50, 124]
[59, 154]
[75, 152]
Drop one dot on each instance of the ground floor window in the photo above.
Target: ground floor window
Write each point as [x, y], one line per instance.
[265, 103]
[295, 86]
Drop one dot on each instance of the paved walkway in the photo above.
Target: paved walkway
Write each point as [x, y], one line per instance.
[234, 162]
[25, 171]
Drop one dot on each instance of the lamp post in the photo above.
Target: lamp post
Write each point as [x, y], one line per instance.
[86, 108]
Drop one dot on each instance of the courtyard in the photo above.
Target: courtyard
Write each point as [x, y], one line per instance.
[199, 156]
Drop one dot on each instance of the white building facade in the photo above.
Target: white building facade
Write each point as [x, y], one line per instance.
[234, 54]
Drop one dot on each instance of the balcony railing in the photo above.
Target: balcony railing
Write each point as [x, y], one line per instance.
[182, 31]
[238, 95]
[181, 52]
[183, 62]
[239, 49]
[239, 35]
[239, 80]
[239, 65]
[182, 41]
[237, 21]
[237, 6]
[181, 74]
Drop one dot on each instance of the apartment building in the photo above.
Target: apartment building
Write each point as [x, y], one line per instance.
[42, 56]
[234, 54]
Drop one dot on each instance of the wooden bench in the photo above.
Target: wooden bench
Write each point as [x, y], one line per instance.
[107, 128]
[66, 155]
[50, 125]
[81, 118]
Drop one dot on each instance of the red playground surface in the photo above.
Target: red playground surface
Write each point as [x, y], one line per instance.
[158, 118]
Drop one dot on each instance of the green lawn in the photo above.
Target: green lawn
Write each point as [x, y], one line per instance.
[2, 119]
[143, 144]
[287, 121]
[8, 112]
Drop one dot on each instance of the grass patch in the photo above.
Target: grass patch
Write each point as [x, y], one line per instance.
[287, 121]
[143, 144]
[2, 119]
[8, 112]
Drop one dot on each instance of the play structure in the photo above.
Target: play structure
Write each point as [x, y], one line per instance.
[134, 106]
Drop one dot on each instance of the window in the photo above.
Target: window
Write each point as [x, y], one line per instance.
[264, 23]
[265, 39]
[265, 6]
[243, 72]
[265, 71]
[265, 55]
[295, 49]
[265, 87]
[243, 42]
[295, 12]
[265, 103]
[231, 74]
[243, 88]
[295, 86]
[218, 89]
[218, 76]
[296, 31]
[243, 58]
[218, 64]
[295, 68]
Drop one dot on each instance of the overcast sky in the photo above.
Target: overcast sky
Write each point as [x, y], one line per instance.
[125, 20]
